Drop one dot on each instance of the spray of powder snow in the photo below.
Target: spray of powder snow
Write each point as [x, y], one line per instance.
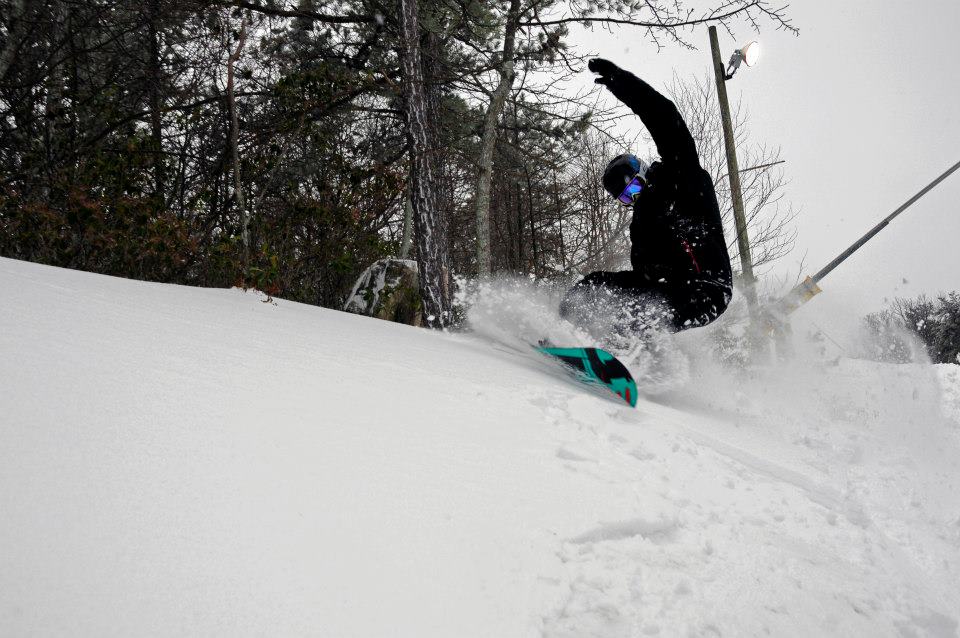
[868, 441]
[845, 418]
[518, 313]
[818, 381]
[797, 375]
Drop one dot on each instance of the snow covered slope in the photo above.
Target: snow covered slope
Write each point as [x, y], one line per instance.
[179, 461]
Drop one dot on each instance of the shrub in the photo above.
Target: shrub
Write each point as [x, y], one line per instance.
[933, 323]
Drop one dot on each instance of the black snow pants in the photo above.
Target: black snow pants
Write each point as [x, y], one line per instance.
[637, 305]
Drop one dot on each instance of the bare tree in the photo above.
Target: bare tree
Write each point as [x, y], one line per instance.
[596, 228]
[505, 71]
[763, 181]
[154, 67]
[238, 193]
[659, 21]
[655, 21]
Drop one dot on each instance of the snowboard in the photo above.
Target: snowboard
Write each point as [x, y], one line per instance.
[596, 366]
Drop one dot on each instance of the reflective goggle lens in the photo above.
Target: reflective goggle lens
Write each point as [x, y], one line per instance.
[631, 191]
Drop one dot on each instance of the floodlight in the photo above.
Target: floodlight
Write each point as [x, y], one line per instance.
[747, 55]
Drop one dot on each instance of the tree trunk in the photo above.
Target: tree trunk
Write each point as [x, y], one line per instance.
[235, 149]
[15, 29]
[488, 141]
[407, 226]
[521, 266]
[533, 228]
[53, 107]
[154, 79]
[432, 257]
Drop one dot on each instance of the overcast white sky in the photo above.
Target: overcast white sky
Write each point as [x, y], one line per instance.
[865, 105]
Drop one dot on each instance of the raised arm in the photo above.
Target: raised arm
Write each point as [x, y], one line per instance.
[658, 114]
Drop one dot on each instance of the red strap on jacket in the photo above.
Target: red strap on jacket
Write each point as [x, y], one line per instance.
[693, 258]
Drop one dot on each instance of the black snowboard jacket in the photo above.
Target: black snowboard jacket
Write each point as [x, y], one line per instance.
[678, 247]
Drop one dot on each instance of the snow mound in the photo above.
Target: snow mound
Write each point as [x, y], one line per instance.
[948, 376]
[193, 461]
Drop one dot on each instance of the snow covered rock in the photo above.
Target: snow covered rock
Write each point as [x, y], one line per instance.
[388, 289]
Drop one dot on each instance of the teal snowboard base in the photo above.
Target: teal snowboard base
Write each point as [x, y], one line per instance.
[597, 366]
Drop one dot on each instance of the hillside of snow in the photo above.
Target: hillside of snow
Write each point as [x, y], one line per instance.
[183, 461]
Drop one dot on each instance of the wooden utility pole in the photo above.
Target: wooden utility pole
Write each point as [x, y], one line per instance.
[733, 171]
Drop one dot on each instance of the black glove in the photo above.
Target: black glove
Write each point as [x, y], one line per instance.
[605, 68]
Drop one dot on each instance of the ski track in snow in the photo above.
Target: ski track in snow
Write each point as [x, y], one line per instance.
[806, 559]
[797, 534]
[177, 460]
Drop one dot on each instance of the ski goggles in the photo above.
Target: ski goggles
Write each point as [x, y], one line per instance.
[632, 190]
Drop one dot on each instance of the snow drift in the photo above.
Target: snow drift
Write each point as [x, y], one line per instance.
[193, 461]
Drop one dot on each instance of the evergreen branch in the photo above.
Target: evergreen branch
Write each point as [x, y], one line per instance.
[350, 18]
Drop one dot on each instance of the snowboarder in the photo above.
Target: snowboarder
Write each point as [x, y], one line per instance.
[681, 275]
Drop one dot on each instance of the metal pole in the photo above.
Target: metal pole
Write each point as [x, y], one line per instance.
[876, 229]
[808, 288]
[736, 195]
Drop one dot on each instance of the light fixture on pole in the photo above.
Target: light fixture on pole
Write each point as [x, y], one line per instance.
[747, 55]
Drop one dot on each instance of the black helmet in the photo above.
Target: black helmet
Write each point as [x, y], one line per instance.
[620, 171]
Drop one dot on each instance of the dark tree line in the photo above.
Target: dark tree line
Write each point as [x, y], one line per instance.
[270, 143]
